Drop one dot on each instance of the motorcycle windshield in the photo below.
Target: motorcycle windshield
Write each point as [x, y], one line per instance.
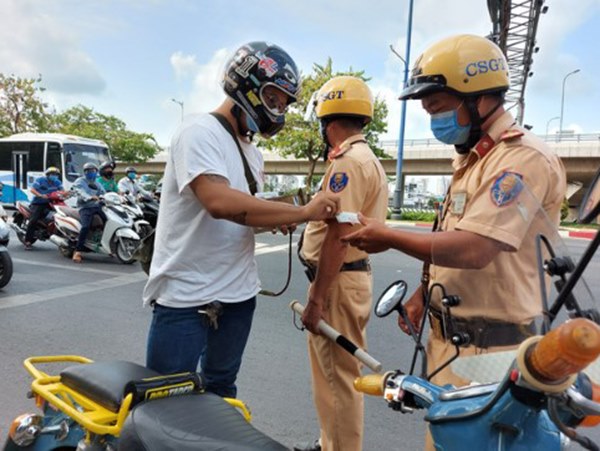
[500, 285]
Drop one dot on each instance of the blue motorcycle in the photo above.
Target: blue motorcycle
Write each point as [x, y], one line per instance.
[531, 397]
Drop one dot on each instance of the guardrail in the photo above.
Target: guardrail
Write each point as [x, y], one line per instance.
[556, 138]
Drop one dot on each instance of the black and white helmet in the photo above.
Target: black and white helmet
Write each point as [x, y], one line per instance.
[252, 68]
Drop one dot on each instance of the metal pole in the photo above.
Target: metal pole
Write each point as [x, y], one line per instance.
[398, 195]
[180, 103]
[548, 124]
[562, 102]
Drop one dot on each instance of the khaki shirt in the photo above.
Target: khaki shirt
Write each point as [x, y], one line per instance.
[483, 200]
[357, 175]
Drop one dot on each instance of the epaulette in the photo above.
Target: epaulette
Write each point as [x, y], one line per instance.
[511, 134]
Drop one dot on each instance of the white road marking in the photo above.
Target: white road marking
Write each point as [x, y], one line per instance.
[71, 266]
[71, 290]
[269, 249]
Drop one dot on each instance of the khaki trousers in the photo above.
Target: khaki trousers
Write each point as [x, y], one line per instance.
[339, 407]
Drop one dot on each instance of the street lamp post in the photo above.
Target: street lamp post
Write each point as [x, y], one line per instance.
[397, 199]
[180, 103]
[548, 124]
[562, 102]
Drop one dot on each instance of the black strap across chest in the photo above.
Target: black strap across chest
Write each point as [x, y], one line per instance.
[252, 185]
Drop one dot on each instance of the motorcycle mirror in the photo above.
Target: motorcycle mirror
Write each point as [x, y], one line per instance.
[590, 206]
[391, 298]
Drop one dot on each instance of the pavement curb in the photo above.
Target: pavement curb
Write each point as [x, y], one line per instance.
[583, 234]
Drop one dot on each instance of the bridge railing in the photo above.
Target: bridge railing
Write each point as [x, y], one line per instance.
[553, 138]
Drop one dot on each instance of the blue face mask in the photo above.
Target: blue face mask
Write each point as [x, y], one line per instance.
[131, 175]
[250, 124]
[91, 176]
[445, 128]
[53, 178]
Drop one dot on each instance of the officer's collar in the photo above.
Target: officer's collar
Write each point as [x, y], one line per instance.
[346, 145]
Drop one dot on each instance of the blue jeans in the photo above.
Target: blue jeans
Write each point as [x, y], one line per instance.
[86, 216]
[179, 338]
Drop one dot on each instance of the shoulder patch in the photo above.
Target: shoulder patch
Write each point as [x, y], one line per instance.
[338, 182]
[511, 134]
[506, 188]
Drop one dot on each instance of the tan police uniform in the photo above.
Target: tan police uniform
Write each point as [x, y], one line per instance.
[356, 174]
[487, 197]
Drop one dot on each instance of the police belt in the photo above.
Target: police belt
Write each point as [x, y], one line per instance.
[483, 332]
[357, 265]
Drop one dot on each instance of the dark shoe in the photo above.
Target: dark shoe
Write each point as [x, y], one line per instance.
[314, 445]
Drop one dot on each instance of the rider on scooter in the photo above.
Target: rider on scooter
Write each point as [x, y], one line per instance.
[40, 205]
[88, 195]
[107, 177]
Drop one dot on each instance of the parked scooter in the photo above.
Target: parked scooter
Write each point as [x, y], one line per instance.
[6, 266]
[532, 397]
[115, 237]
[45, 226]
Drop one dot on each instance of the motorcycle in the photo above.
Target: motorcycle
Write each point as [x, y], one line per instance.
[135, 210]
[45, 226]
[115, 237]
[533, 396]
[149, 207]
[6, 265]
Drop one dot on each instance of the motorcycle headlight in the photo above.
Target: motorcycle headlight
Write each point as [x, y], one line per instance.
[25, 429]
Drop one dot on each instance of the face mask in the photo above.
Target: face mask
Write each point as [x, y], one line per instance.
[323, 132]
[250, 124]
[131, 175]
[91, 176]
[108, 175]
[446, 129]
[53, 178]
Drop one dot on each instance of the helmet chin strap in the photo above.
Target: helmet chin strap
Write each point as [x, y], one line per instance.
[476, 122]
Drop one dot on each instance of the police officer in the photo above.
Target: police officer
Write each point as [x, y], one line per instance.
[40, 205]
[342, 288]
[461, 82]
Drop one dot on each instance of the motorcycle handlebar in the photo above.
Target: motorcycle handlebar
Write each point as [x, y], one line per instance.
[551, 362]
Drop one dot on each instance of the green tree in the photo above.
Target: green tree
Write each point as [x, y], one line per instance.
[301, 139]
[21, 108]
[125, 145]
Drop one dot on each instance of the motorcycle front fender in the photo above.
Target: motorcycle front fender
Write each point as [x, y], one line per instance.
[126, 232]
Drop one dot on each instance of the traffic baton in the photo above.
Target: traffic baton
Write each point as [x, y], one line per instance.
[334, 335]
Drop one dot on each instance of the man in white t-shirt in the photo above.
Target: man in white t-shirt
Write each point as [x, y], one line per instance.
[203, 279]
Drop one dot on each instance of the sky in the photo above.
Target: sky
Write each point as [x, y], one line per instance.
[130, 58]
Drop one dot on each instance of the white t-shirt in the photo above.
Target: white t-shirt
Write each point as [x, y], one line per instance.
[198, 259]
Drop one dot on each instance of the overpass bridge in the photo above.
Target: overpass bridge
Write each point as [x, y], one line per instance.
[423, 157]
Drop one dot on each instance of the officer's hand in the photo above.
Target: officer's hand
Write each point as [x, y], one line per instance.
[312, 315]
[370, 238]
[285, 229]
[414, 308]
[323, 206]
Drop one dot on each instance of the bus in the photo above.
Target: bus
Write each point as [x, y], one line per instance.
[25, 156]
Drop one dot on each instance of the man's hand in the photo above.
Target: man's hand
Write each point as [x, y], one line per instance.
[414, 308]
[313, 312]
[323, 206]
[370, 238]
[284, 229]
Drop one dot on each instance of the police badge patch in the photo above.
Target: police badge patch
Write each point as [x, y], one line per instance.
[338, 182]
[506, 188]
